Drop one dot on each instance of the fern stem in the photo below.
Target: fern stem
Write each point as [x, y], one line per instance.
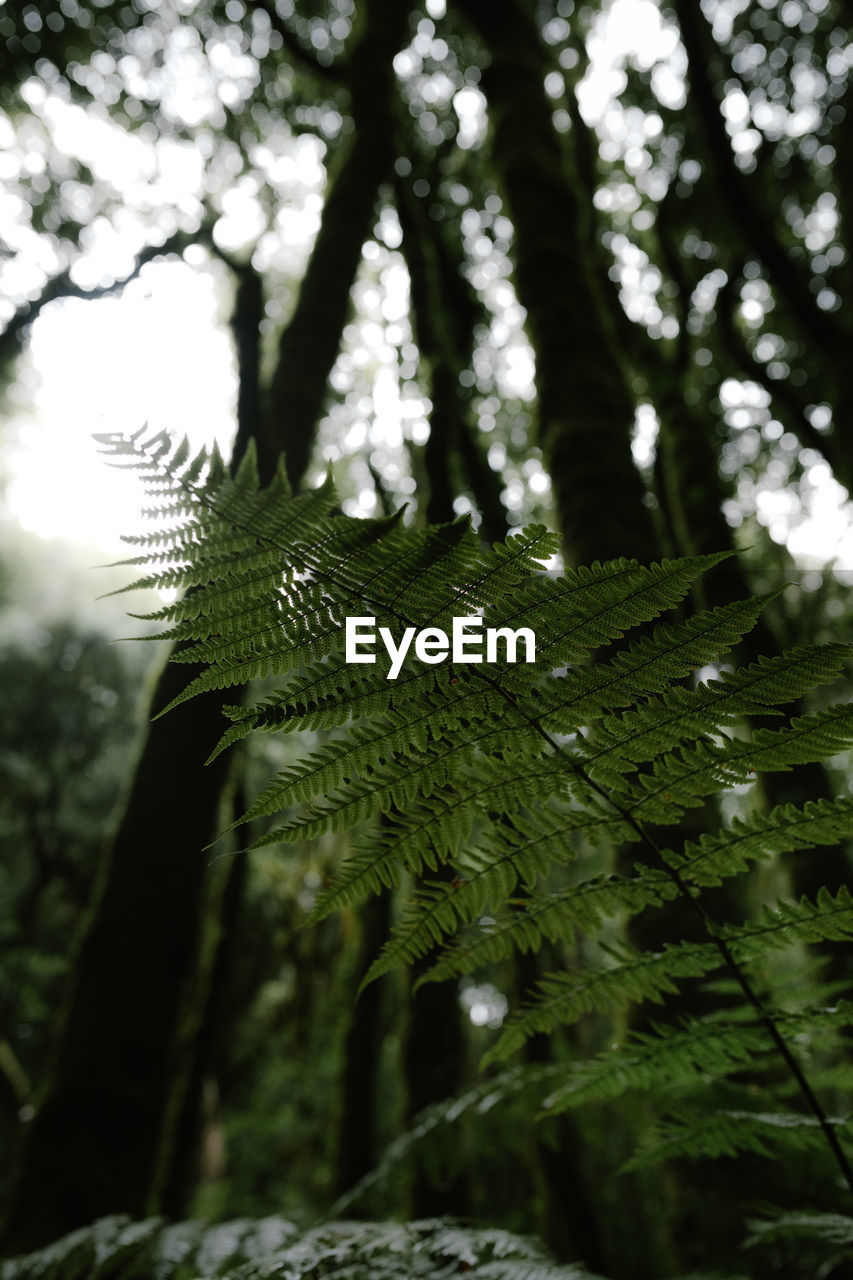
[764, 1015]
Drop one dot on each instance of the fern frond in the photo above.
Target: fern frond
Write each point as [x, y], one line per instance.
[563, 998]
[679, 715]
[635, 976]
[595, 604]
[501, 769]
[681, 780]
[554, 917]
[479, 1100]
[825, 1228]
[720, 1132]
[271, 1248]
[784, 829]
[429, 833]
[694, 1050]
[520, 851]
[828, 919]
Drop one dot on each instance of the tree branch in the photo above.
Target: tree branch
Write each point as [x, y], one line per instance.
[63, 286]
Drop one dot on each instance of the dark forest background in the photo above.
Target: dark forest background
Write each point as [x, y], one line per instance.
[675, 276]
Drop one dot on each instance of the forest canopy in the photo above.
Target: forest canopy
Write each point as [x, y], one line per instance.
[498, 268]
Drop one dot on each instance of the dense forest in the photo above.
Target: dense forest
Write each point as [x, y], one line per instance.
[534, 310]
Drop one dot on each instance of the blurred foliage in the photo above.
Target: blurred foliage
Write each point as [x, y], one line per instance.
[68, 707]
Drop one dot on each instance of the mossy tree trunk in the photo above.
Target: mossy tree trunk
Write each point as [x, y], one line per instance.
[309, 343]
[199, 1045]
[91, 1148]
[358, 1129]
[446, 311]
[585, 409]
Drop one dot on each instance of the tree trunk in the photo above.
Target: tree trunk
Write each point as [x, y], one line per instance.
[446, 311]
[434, 1065]
[357, 1146]
[95, 1142]
[208, 1021]
[91, 1148]
[586, 412]
[309, 344]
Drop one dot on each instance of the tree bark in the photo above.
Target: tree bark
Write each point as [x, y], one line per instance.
[357, 1146]
[91, 1148]
[586, 411]
[445, 312]
[309, 343]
